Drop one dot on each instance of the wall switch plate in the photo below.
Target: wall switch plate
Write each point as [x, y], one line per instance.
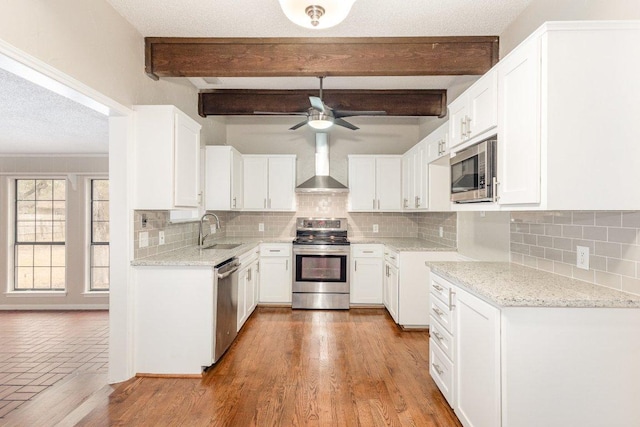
[583, 257]
[261, 226]
[143, 239]
[441, 232]
[161, 237]
[375, 228]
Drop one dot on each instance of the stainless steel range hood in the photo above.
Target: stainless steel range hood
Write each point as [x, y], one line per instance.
[321, 182]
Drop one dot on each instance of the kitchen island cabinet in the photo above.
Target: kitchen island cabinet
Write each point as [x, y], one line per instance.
[514, 346]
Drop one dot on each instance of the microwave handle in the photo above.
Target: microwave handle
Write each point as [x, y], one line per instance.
[495, 189]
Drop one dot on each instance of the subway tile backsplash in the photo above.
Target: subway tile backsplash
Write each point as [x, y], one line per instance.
[548, 240]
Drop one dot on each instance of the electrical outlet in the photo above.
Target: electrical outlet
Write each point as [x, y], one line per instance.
[375, 228]
[583, 257]
[161, 237]
[143, 239]
[441, 232]
[261, 226]
[483, 214]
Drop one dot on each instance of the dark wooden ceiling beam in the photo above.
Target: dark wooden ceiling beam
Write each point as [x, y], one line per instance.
[357, 56]
[394, 102]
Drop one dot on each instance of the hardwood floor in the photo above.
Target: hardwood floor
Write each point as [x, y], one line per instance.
[292, 368]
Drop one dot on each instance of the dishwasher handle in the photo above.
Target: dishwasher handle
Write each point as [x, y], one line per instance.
[228, 268]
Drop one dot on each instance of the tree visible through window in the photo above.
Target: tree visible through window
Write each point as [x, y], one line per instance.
[40, 219]
[99, 267]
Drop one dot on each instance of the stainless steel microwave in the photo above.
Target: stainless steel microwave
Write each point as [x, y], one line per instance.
[473, 173]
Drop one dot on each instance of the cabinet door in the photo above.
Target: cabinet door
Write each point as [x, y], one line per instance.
[237, 175]
[457, 120]
[255, 182]
[483, 109]
[477, 361]
[362, 183]
[186, 162]
[386, 293]
[243, 284]
[519, 118]
[389, 183]
[420, 177]
[393, 292]
[407, 180]
[275, 282]
[366, 281]
[282, 183]
[255, 283]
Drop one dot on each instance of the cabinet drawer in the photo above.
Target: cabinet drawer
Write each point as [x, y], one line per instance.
[441, 289]
[441, 337]
[441, 313]
[441, 370]
[367, 251]
[275, 250]
[391, 256]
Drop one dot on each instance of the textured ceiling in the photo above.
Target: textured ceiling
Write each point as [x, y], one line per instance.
[38, 121]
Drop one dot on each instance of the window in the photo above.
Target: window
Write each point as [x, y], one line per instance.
[40, 219]
[99, 264]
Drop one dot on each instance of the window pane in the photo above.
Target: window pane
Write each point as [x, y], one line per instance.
[41, 255]
[100, 189]
[101, 211]
[101, 232]
[26, 210]
[24, 278]
[58, 256]
[100, 278]
[59, 228]
[44, 210]
[100, 256]
[57, 277]
[59, 189]
[26, 231]
[44, 231]
[41, 277]
[24, 256]
[59, 211]
[44, 189]
[26, 189]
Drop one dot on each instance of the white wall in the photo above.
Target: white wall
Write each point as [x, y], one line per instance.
[261, 135]
[77, 228]
[540, 11]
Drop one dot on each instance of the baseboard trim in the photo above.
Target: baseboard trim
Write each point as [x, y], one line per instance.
[51, 307]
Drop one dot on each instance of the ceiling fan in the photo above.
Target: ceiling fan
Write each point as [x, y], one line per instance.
[320, 116]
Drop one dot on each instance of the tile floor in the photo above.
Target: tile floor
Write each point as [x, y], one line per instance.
[40, 348]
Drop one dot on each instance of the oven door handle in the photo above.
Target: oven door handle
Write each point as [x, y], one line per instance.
[320, 251]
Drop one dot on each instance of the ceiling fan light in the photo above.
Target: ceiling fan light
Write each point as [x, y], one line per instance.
[316, 14]
[320, 121]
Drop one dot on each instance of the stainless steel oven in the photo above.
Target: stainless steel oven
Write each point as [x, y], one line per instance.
[473, 173]
[321, 264]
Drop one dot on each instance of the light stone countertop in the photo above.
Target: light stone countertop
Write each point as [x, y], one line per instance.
[404, 244]
[193, 256]
[512, 285]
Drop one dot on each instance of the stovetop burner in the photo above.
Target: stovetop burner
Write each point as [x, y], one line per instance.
[321, 231]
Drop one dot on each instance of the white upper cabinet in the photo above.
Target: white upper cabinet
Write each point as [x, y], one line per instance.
[414, 178]
[375, 183]
[223, 178]
[269, 182]
[167, 153]
[567, 118]
[438, 143]
[474, 113]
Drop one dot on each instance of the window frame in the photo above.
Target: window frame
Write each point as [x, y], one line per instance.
[13, 236]
[88, 290]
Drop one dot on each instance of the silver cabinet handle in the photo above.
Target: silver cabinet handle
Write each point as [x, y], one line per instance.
[265, 203]
[258, 267]
[378, 204]
[367, 252]
[437, 368]
[437, 287]
[417, 201]
[286, 264]
[374, 203]
[355, 265]
[392, 257]
[452, 294]
[234, 202]
[468, 126]
[438, 336]
[249, 275]
[269, 202]
[495, 189]
[406, 203]
[437, 311]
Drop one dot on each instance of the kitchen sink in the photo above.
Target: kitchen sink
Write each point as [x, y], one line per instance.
[223, 246]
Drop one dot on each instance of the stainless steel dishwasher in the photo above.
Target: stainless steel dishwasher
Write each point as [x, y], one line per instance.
[226, 274]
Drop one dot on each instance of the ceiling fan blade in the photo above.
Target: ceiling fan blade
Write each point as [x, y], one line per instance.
[345, 124]
[283, 113]
[346, 113]
[317, 104]
[299, 125]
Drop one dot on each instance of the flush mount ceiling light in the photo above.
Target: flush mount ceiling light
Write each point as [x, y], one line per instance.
[316, 14]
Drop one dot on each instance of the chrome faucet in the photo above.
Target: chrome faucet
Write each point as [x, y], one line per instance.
[201, 236]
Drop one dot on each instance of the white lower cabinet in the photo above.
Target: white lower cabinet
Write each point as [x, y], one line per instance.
[366, 274]
[275, 273]
[247, 286]
[533, 366]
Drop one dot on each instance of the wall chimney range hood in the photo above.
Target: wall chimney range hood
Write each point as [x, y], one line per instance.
[321, 182]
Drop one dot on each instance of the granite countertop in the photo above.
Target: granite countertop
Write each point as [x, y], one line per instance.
[512, 285]
[193, 256]
[403, 244]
